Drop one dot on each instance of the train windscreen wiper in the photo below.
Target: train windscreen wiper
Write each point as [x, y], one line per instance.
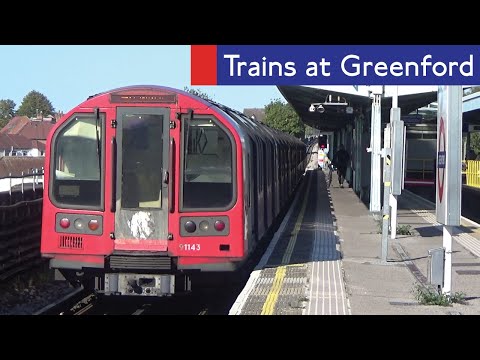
[99, 148]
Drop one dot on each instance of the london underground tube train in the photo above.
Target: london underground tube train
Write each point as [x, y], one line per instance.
[147, 186]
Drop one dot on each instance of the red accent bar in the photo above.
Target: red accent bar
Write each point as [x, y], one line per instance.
[203, 64]
[113, 200]
[139, 245]
[171, 181]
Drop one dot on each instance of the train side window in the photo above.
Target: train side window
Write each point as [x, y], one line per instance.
[207, 165]
[78, 163]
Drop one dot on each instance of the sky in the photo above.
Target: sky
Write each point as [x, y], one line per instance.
[68, 74]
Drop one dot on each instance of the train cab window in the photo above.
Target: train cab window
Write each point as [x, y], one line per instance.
[78, 166]
[207, 165]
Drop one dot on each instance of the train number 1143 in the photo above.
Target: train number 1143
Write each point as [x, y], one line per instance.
[190, 247]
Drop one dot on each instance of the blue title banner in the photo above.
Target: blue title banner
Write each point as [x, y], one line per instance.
[345, 65]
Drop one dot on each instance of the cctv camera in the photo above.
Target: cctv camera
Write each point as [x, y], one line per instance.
[311, 108]
[321, 109]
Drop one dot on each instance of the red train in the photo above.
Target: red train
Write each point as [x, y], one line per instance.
[146, 186]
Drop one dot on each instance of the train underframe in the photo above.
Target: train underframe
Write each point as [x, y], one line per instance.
[138, 282]
[122, 282]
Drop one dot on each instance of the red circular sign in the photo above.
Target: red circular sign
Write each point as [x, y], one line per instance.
[441, 167]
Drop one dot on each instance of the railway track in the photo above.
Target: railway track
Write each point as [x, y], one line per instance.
[82, 302]
[78, 302]
[203, 300]
[469, 200]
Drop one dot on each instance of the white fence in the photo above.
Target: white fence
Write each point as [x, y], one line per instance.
[31, 179]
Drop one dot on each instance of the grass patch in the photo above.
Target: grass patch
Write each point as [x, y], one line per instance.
[430, 296]
[401, 229]
[404, 230]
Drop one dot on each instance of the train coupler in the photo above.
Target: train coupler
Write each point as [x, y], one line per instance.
[139, 284]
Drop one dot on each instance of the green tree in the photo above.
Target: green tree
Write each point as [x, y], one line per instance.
[475, 142]
[283, 117]
[310, 131]
[198, 92]
[35, 102]
[3, 122]
[7, 111]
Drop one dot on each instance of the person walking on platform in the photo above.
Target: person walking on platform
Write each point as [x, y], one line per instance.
[321, 158]
[329, 167]
[340, 161]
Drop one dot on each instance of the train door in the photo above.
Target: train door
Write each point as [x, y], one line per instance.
[142, 175]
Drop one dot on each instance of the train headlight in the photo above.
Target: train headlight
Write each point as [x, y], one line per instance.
[201, 226]
[219, 225]
[204, 225]
[190, 226]
[93, 224]
[79, 224]
[65, 223]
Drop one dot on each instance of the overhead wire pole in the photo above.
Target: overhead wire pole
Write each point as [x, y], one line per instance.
[386, 190]
[393, 152]
[375, 147]
[393, 198]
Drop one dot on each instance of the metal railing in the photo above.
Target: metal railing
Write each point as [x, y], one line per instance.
[20, 237]
[17, 185]
[420, 169]
[21, 199]
[472, 172]
[424, 170]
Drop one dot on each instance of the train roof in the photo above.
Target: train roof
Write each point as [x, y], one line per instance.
[206, 102]
[149, 87]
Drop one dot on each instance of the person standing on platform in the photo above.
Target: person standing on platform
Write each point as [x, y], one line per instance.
[340, 161]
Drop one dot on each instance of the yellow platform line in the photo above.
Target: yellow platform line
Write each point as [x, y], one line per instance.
[272, 297]
[293, 237]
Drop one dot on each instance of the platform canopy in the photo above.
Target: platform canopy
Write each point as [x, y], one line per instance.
[336, 117]
[471, 109]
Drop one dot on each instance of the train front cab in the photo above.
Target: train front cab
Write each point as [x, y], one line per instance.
[136, 200]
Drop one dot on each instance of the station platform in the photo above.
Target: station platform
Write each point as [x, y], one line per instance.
[325, 259]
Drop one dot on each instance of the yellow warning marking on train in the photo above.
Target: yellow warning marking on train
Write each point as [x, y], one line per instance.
[388, 161]
[272, 297]
[386, 216]
[387, 183]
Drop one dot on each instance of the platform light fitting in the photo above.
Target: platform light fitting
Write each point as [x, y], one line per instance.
[335, 100]
[316, 107]
[330, 101]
